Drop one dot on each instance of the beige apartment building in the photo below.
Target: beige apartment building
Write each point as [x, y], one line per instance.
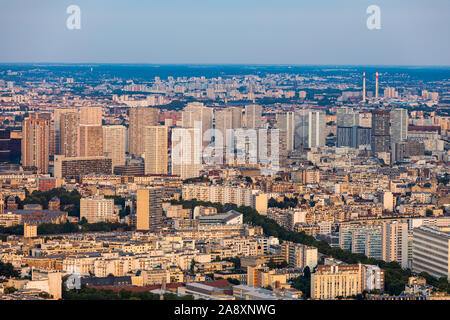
[114, 144]
[299, 256]
[97, 209]
[29, 230]
[332, 281]
[35, 143]
[149, 209]
[253, 116]
[263, 277]
[226, 194]
[140, 117]
[9, 219]
[91, 116]
[68, 134]
[90, 141]
[57, 118]
[156, 149]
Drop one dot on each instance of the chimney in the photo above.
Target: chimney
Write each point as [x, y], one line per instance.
[364, 86]
[376, 85]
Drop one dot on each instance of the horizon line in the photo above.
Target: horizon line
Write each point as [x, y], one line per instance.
[222, 64]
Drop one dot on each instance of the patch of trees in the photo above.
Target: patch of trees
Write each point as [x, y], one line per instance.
[68, 227]
[7, 270]
[286, 203]
[233, 281]
[303, 283]
[440, 284]
[120, 201]
[86, 293]
[8, 231]
[196, 180]
[236, 262]
[71, 227]
[70, 200]
[274, 265]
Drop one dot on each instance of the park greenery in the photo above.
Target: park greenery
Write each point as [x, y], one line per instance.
[7, 270]
[65, 228]
[87, 293]
[69, 200]
[303, 283]
[274, 265]
[286, 203]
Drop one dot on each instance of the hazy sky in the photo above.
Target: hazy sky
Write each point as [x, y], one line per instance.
[413, 32]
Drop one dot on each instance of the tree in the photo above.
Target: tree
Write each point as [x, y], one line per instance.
[303, 283]
[271, 264]
[70, 201]
[9, 290]
[192, 265]
[307, 272]
[7, 270]
[236, 261]
[233, 281]
[124, 212]
[45, 295]
[286, 203]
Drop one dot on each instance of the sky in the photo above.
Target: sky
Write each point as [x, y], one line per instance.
[287, 32]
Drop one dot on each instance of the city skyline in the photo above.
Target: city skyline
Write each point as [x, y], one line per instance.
[229, 151]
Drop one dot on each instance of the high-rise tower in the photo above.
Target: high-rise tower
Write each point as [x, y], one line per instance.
[156, 155]
[35, 143]
[140, 117]
[114, 140]
[380, 131]
[149, 209]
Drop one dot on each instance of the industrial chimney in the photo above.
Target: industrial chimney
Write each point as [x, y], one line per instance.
[364, 86]
[376, 86]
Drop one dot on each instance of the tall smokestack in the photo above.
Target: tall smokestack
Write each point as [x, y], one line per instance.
[376, 85]
[364, 86]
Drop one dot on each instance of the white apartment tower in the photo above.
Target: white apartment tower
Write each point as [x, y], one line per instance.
[309, 129]
[430, 252]
[399, 125]
[186, 152]
[286, 122]
[395, 242]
